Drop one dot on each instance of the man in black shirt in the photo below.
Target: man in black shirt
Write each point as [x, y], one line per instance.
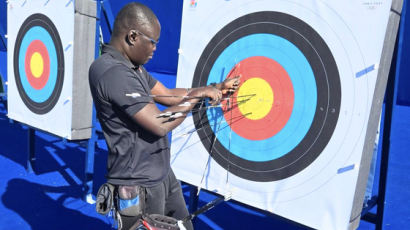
[139, 159]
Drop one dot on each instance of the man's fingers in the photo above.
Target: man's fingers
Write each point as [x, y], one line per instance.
[237, 80]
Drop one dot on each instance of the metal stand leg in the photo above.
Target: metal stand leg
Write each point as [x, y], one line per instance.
[31, 157]
[193, 200]
[89, 164]
[89, 157]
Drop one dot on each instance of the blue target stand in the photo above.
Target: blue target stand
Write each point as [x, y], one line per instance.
[3, 49]
[104, 23]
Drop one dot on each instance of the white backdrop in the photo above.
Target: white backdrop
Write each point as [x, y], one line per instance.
[57, 118]
[320, 194]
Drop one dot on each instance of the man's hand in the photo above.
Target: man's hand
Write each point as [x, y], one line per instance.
[230, 85]
[208, 91]
[149, 116]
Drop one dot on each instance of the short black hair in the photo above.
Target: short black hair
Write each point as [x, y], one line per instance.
[133, 16]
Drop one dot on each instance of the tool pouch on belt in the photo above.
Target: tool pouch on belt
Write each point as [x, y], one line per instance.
[131, 200]
[105, 199]
[157, 222]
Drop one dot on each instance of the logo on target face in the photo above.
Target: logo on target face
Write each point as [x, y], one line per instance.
[39, 64]
[287, 106]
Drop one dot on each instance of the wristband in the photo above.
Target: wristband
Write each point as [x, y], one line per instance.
[213, 84]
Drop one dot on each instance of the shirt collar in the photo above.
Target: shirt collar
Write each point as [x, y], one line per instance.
[118, 56]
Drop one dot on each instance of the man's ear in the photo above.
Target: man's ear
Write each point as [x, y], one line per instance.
[132, 37]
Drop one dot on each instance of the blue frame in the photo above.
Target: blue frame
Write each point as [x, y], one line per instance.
[103, 8]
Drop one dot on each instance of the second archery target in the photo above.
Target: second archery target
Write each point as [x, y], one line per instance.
[291, 138]
[286, 56]
[39, 63]
[50, 47]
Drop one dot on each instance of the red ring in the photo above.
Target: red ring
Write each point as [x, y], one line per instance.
[281, 84]
[40, 82]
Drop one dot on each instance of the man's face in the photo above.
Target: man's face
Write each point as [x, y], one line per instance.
[145, 44]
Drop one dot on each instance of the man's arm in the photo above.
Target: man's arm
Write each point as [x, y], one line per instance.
[148, 117]
[227, 86]
[160, 89]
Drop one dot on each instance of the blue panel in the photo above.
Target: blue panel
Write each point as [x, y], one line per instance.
[3, 25]
[403, 62]
[169, 14]
[107, 20]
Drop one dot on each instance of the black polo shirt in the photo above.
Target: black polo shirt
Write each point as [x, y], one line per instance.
[136, 156]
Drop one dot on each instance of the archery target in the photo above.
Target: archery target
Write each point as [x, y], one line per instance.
[287, 59]
[47, 82]
[292, 136]
[39, 63]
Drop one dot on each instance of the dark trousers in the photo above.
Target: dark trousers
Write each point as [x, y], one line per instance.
[164, 198]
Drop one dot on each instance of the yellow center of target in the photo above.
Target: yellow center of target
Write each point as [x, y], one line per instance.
[255, 98]
[36, 64]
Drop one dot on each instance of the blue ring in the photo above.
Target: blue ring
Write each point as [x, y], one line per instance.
[303, 82]
[38, 33]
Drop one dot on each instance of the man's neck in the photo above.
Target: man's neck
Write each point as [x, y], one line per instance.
[119, 46]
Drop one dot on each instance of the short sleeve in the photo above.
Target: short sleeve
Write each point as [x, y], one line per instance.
[126, 90]
[150, 79]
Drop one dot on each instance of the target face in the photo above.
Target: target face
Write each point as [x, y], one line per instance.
[288, 103]
[291, 138]
[38, 63]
